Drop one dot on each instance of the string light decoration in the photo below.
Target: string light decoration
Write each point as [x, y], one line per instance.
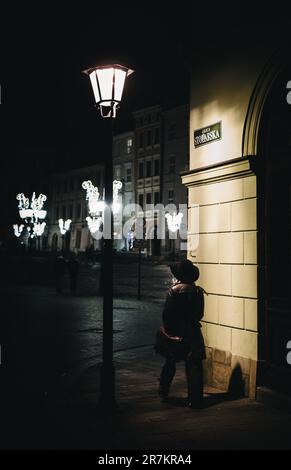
[31, 209]
[18, 229]
[64, 226]
[32, 213]
[95, 204]
[38, 229]
[94, 224]
[95, 207]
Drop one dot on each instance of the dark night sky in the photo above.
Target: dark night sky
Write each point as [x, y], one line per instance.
[47, 117]
[49, 103]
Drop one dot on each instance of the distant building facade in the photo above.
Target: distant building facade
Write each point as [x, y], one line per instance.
[147, 161]
[124, 171]
[148, 137]
[175, 160]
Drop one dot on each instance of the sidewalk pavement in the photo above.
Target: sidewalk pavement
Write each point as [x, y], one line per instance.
[67, 416]
[72, 420]
[143, 422]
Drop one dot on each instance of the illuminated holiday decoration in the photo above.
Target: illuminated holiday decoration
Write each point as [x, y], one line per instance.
[18, 229]
[94, 224]
[31, 209]
[95, 204]
[64, 226]
[38, 229]
[174, 221]
[95, 207]
[32, 213]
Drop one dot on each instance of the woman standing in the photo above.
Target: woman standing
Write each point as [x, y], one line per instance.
[183, 310]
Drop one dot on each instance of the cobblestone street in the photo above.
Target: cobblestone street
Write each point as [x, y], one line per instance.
[50, 374]
[52, 336]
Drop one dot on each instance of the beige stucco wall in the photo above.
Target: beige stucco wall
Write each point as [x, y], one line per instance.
[221, 88]
[225, 251]
[222, 222]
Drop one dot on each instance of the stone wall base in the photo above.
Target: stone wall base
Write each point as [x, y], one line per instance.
[230, 373]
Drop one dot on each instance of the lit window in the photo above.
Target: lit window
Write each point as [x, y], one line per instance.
[129, 146]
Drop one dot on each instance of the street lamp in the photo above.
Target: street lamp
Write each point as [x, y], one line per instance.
[108, 83]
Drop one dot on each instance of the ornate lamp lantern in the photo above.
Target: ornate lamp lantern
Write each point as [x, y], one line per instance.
[108, 83]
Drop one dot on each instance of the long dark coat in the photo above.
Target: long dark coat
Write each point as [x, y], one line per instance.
[183, 310]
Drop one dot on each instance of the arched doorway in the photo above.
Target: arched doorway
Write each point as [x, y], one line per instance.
[274, 234]
[55, 243]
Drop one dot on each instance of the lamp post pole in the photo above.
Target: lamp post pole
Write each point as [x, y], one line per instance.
[108, 83]
[107, 392]
[139, 272]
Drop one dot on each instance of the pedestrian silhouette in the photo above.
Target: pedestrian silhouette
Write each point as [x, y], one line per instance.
[180, 338]
[73, 267]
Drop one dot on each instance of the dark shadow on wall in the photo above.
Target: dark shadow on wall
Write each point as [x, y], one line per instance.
[236, 386]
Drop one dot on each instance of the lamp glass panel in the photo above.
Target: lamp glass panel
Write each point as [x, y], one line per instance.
[105, 79]
[94, 86]
[120, 76]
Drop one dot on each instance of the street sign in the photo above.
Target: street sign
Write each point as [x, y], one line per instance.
[208, 134]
